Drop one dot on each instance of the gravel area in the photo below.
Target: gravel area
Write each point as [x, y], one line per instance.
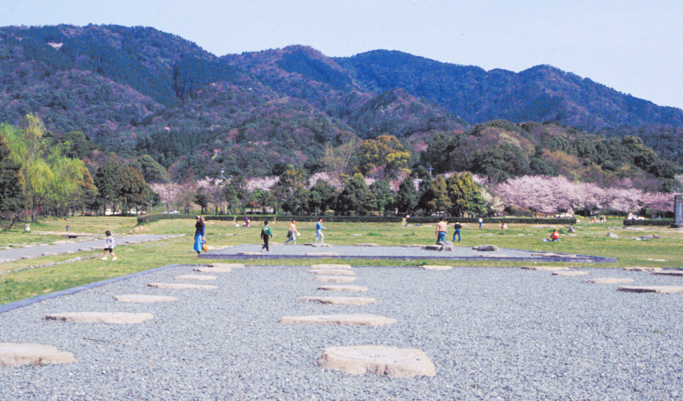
[492, 333]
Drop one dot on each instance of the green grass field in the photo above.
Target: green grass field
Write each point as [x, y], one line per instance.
[590, 239]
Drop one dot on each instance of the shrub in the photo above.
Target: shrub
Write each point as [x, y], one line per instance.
[657, 222]
[494, 220]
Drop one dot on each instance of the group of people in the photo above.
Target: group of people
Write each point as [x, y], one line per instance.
[266, 234]
[442, 229]
[292, 233]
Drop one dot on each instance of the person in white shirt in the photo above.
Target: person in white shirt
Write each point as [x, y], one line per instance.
[109, 246]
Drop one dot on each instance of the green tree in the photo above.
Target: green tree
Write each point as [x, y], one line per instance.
[381, 195]
[151, 170]
[407, 196]
[108, 183]
[133, 190]
[426, 194]
[321, 197]
[440, 201]
[435, 155]
[11, 187]
[297, 201]
[291, 187]
[465, 196]
[87, 192]
[53, 179]
[355, 198]
[384, 157]
[202, 199]
[262, 198]
[80, 145]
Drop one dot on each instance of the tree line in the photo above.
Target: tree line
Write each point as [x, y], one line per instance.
[40, 175]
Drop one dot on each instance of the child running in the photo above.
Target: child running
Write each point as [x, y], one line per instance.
[108, 246]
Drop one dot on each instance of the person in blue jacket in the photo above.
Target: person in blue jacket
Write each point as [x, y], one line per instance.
[319, 232]
[199, 233]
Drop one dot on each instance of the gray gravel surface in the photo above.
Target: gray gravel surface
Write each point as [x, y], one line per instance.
[493, 334]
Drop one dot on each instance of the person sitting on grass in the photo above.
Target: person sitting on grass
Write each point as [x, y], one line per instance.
[555, 236]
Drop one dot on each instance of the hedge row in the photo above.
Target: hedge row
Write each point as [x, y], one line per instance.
[656, 222]
[496, 220]
[358, 219]
[261, 217]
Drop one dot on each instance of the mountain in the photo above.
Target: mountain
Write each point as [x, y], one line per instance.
[142, 91]
[541, 93]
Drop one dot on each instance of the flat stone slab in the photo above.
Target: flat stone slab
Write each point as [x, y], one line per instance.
[339, 272]
[182, 286]
[19, 354]
[330, 266]
[659, 289]
[250, 253]
[100, 317]
[143, 298]
[341, 300]
[365, 319]
[343, 288]
[336, 279]
[196, 277]
[611, 280]
[545, 268]
[436, 267]
[643, 269]
[367, 244]
[678, 273]
[212, 269]
[486, 248]
[381, 360]
[570, 273]
[327, 254]
[227, 265]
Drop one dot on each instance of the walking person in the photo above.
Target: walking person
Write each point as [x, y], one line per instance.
[199, 235]
[319, 232]
[441, 229]
[109, 246]
[292, 232]
[266, 234]
[457, 227]
[481, 221]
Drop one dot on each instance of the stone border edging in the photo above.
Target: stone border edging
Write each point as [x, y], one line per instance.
[559, 258]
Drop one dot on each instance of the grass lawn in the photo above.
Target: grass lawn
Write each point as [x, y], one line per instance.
[590, 239]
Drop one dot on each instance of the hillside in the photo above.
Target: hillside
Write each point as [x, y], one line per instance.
[142, 91]
[541, 93]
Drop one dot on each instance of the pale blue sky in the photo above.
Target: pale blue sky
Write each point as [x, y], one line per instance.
[632, 46]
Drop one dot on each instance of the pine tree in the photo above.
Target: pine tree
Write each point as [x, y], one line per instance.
[407, 196]
[11, 187]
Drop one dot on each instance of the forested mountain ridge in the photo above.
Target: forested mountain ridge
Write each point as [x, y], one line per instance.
[540, 93]
[138, 91]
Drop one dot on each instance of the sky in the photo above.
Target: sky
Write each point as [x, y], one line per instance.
[629, 45]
